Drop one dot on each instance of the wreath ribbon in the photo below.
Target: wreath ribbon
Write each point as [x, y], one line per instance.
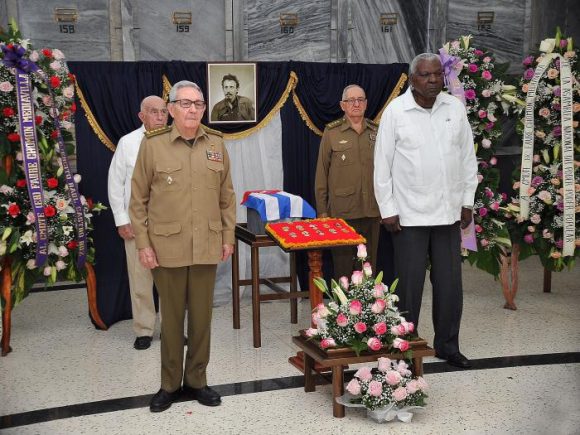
[14, 58]
[566, 97]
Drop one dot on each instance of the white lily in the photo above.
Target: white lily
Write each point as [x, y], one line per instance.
[547, 45]
[465, 40]
[27, 238]
[339, 293]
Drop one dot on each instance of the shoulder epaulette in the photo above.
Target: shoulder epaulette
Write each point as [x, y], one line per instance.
[212, 131]
[372, 123]
[157, 131]
[335, 123]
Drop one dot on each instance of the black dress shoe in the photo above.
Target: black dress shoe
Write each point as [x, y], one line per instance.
[163, 400]
[142, 343]
[457, 360]
[206, 396]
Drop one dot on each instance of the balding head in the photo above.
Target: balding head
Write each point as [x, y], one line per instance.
[153, 112]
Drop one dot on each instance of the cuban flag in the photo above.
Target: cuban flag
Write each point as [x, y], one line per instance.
[273, 205]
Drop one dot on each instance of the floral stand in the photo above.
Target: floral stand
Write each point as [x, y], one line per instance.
[7, 296]
[336, 359]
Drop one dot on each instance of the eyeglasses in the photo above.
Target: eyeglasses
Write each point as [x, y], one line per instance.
[426, 75]
[186, 104]
[352, 101]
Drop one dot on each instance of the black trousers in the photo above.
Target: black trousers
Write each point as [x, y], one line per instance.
[413, 247]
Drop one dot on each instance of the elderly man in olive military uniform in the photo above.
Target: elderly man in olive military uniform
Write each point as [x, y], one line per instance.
[183, 212]
[233, 107]
[344, 177]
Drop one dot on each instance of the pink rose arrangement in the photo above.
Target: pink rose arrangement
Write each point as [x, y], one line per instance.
[390, 384]
[484, 91]
[362, 313]
[542, 232]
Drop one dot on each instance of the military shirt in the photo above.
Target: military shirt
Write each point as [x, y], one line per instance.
[182, 198]
[241, 109]
[344, 172]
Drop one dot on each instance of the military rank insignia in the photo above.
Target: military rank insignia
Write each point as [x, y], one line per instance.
[215, 156]
[372, 136]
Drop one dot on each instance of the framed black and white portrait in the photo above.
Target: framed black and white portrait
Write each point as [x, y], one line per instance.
[232, 93]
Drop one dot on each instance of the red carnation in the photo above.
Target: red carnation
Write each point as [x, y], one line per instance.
[73, 244]
[13, 137]
[73, 107]
[49, 211]
[13, 210]
[10, 45]
[38, 119]
[54, 82]
[90, 203]
[53, 134]
[8, 111]
[52, 183]
[21, 183]
[47, 52]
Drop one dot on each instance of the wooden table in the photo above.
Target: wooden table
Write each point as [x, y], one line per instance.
[257, 241]
[336, 359]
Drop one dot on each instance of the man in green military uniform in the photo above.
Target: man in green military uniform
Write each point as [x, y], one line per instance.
[344, 177]
[233, 107]
[183, 211]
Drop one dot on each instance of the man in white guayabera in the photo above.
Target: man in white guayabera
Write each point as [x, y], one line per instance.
[153, 114]
[425, 180]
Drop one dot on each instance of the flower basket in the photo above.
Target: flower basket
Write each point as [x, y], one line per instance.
[389, 392]
[362, 315]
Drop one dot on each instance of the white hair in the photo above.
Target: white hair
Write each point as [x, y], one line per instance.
[350, 87]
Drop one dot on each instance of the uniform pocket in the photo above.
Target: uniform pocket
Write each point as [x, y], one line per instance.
[167, 240]
[342, 154]
[214, 174]
[169, 176]
[344, 200]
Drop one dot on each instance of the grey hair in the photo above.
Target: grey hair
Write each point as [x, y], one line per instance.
[419, 58]
[182, 84]
[350, 87]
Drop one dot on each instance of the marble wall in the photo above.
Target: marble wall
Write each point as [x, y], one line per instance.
[91, 37]
[150, 34]
[328, 30]
[404, 40]
[309, 41]
[505, 36]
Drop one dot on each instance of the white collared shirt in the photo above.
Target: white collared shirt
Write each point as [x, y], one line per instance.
[425, 164]
[120, 173]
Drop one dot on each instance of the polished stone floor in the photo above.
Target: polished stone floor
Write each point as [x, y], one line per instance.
[65, 377]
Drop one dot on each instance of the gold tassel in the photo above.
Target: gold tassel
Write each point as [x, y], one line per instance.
[304, 115]
[393, 95]
[93, 121]
[289, 88]
[166, 88]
